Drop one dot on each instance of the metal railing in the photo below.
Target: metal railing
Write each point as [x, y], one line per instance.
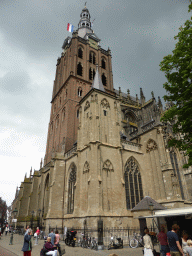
[125, 233]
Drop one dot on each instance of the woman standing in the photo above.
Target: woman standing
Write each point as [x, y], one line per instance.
[37, 233]
[27, 245]
[148, 246]
[184, 241]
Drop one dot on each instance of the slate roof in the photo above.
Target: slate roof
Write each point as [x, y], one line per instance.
[97, 83]
[144, 205]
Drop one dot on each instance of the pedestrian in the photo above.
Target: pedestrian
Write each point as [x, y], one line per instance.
[57, 239]
[37, 235]
[6, 229]
[173, 241]
[27, 245]
[50, 248]
[189, 248]
[52, 235]
[148, 246]
[184, 239]
[162, 237]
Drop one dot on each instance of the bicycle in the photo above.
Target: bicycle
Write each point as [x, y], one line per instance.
[136, 241]
[94, 245]
[115, 245]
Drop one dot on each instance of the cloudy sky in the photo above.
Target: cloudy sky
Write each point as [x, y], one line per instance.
[139, 33]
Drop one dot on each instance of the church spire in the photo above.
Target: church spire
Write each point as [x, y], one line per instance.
[84, 25]
[97, 83]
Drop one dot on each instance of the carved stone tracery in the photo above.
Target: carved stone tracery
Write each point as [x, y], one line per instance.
[151, 145]
[105, 103]
[86, 168]
[107, 166]
[87, 105]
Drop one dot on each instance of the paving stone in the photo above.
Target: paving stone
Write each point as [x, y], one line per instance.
[15, 249]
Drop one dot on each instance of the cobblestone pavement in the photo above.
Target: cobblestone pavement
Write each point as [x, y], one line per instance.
[70, 251]
[4, 252]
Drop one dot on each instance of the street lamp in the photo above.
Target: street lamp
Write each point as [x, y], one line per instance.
[151, 208]
[15, 214]
[32, 220]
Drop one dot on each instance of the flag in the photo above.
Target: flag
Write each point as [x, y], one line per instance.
[70, 27]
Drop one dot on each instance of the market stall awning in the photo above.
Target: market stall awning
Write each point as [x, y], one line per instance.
[170, 212]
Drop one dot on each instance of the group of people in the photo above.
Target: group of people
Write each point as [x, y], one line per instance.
[51, 246]
[170, 243]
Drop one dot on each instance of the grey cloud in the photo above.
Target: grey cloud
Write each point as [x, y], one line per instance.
[15, 83]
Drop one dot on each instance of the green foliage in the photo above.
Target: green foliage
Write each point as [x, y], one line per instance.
[178, 71]
[3, 211]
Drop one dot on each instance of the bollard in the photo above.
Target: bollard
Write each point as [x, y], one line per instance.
[11, 239]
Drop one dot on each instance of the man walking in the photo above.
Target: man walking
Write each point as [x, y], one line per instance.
[162, 237]
[52, 235]
[173, 241]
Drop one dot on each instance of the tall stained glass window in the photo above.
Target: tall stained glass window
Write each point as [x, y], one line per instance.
[133, 184]
[71, 189]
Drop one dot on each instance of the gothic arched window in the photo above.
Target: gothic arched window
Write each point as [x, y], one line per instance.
[103, 63]
[92, 58]
[91, 73]
[79, 92]
[46, 195]
[104, 79]
[71, 189]
[133, 184]
[80, 53]
[79, 69]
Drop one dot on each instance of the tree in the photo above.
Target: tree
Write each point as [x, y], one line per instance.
[3, 211]
[178, 71]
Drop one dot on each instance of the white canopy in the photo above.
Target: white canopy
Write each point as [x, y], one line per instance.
[170, 212]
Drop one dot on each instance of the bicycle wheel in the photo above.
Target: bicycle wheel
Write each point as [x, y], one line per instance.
[109, 247]
[133, 243]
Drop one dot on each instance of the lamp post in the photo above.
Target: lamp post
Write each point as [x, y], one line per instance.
[151, 208]
[32, 220]
[15, 214]
[39, 211]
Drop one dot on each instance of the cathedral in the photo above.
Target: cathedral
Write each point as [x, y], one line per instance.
[106, 150]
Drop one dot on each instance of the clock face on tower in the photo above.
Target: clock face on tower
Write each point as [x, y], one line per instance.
[93, 43]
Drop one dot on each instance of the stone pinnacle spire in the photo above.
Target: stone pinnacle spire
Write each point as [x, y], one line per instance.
[97, 83]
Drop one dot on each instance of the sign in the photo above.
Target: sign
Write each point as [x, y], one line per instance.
[14, 220]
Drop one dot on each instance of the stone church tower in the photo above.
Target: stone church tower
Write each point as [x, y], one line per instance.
[75, 71]
[106, 150]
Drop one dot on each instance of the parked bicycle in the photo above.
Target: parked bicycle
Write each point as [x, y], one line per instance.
[94, 245]
[136, 241]
[115, 243]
